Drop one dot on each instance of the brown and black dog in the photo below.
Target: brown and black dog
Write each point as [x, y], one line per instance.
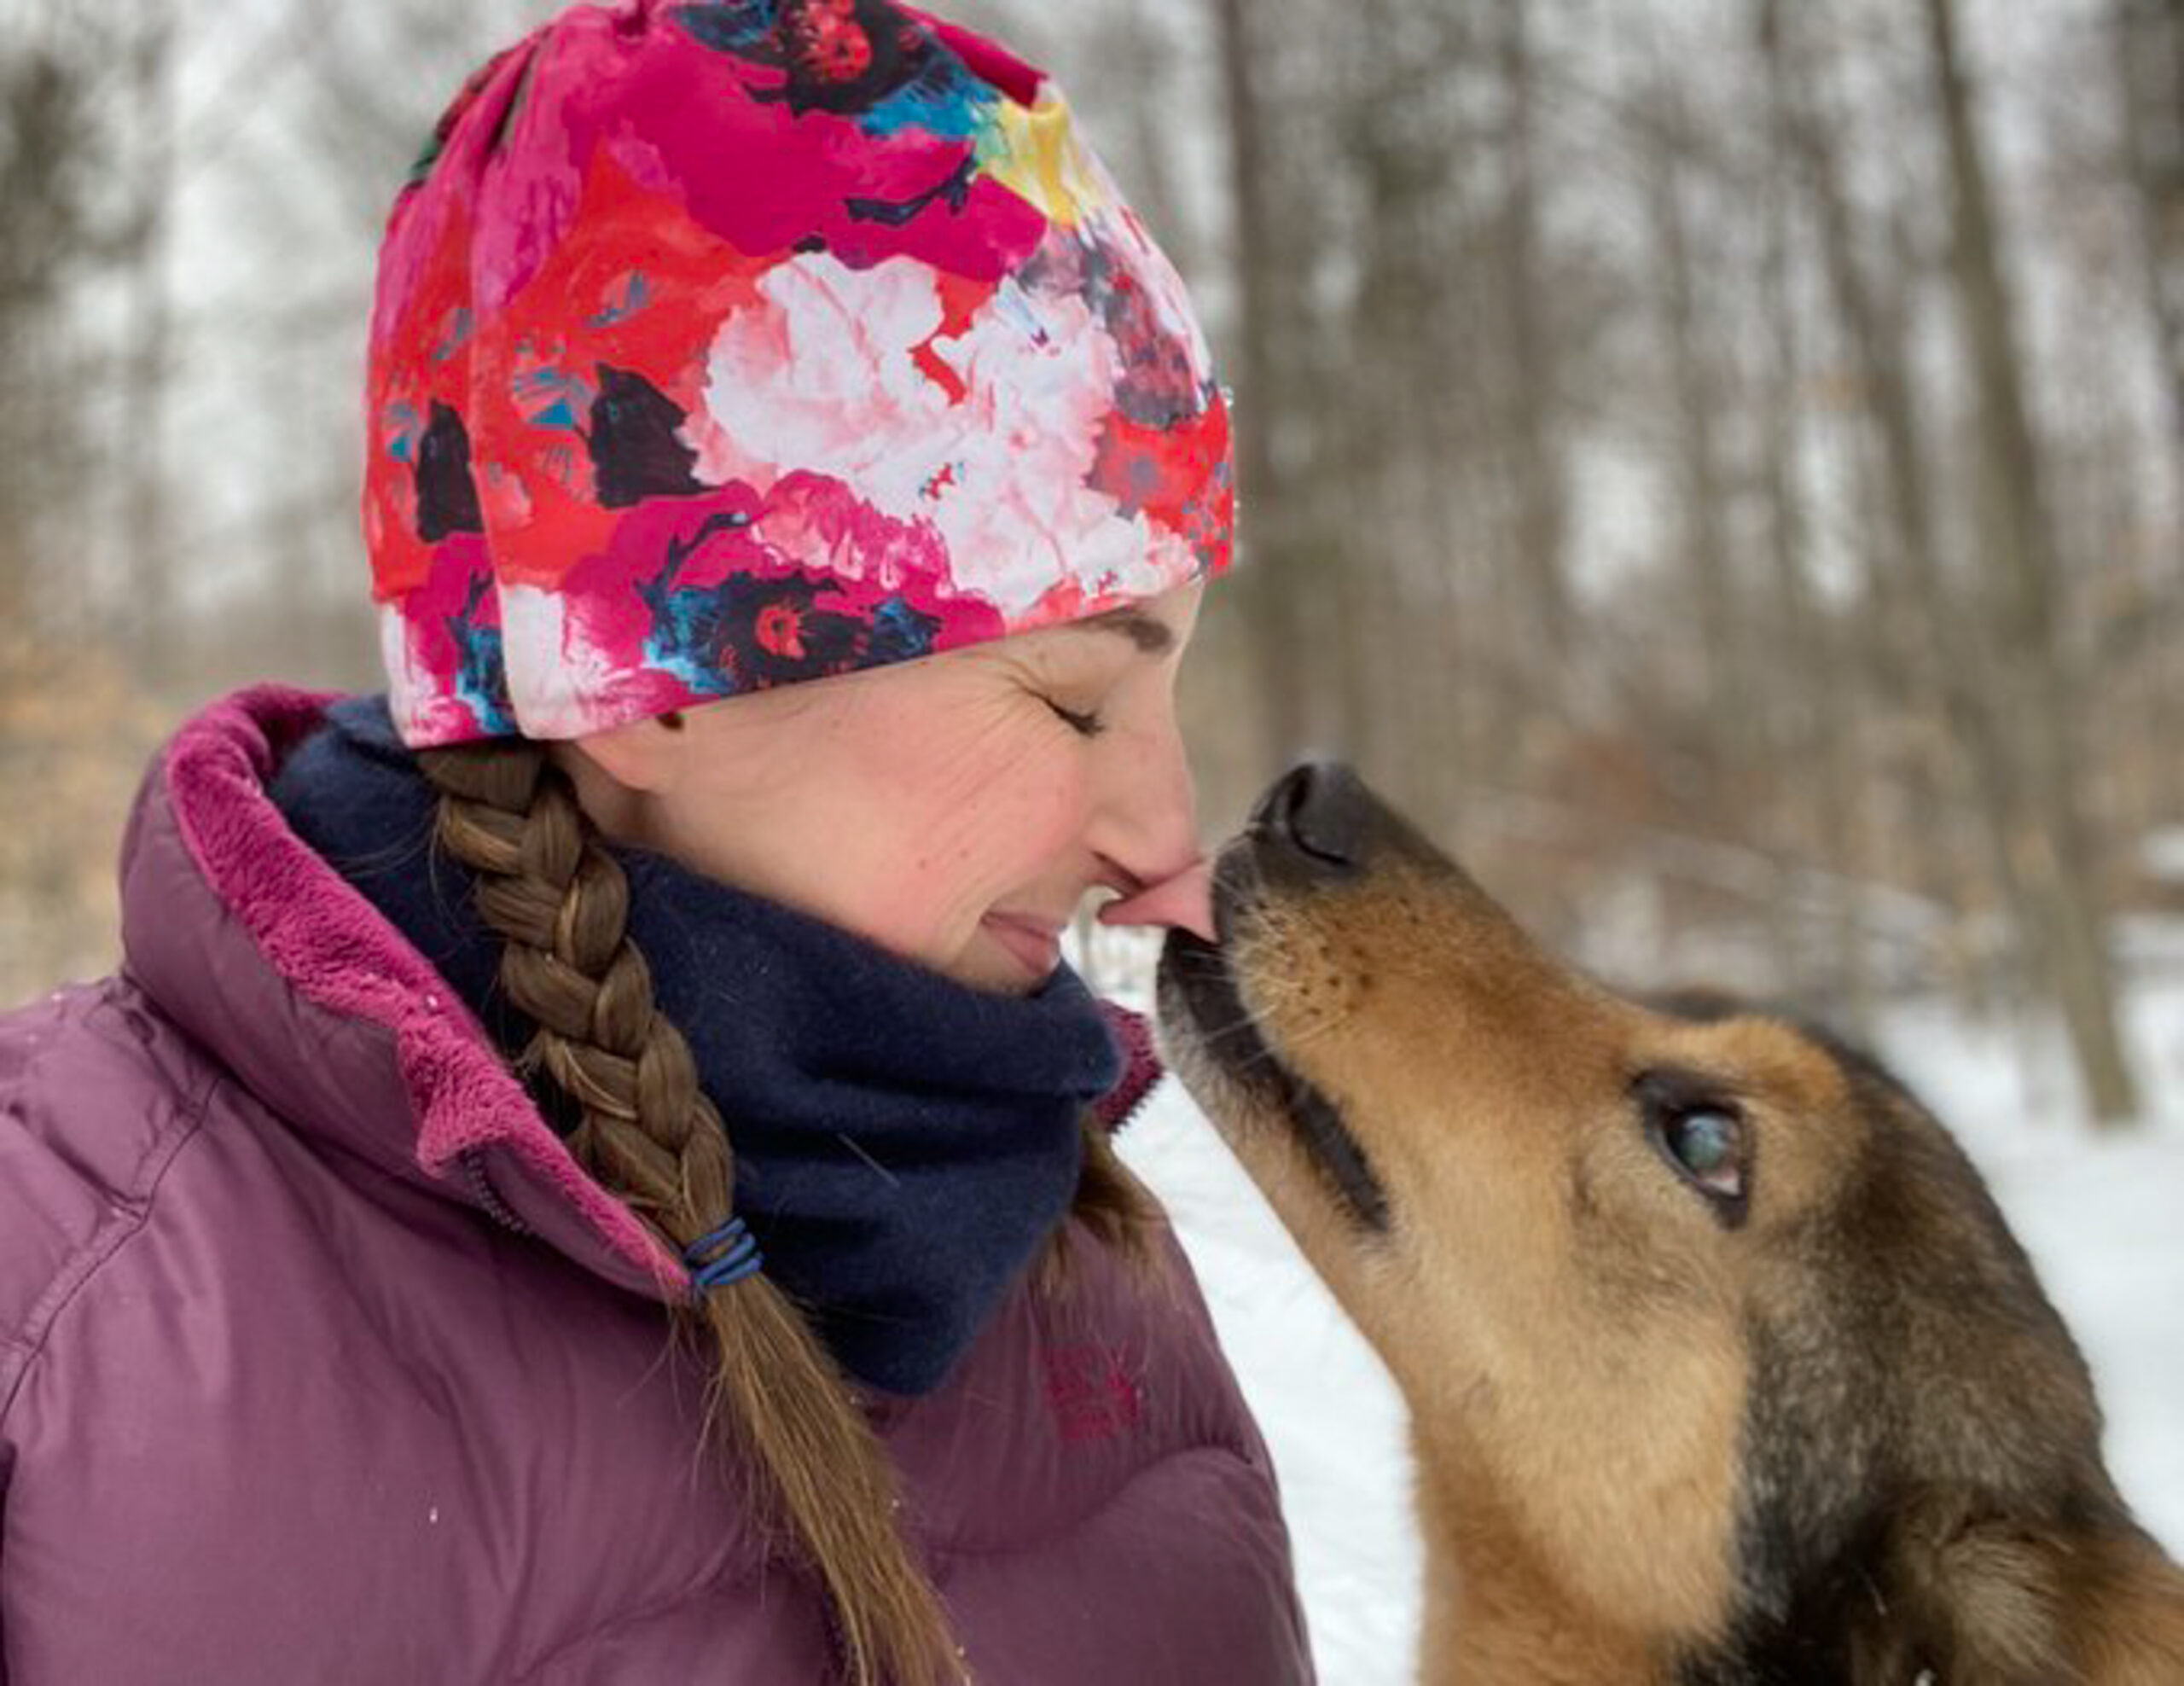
[1722, 1368]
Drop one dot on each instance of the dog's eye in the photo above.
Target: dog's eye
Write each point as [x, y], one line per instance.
[1700, 1133]
[1709, 1145]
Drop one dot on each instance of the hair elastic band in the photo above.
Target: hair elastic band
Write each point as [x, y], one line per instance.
[738, 1257]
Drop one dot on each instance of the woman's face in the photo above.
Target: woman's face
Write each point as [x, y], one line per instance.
[955, 810]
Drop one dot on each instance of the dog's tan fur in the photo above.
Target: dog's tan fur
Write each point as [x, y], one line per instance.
[1647, 1438]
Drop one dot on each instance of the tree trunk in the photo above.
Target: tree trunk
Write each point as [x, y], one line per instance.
[152, 622]
[2149, 42]
[2050, 841]
[1915, 618]
[1717, 649]
[1534, 454]
[1272, 590]
[1136, 51]
[1814, 730]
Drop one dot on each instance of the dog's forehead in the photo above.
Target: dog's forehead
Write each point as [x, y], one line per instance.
[1813, 1113]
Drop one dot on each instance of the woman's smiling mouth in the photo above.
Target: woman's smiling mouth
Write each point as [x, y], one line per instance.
[1035, 943]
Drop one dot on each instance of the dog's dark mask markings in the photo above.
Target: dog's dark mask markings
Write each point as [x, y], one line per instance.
[1202, 977]
[1871, 1537]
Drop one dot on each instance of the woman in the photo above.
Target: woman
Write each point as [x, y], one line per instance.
[793, 476]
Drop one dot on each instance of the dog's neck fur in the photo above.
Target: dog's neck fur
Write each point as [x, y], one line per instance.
[1497, 1615]
[1494, 1615]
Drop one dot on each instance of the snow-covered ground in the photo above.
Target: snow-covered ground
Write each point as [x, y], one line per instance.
[2103, 1219]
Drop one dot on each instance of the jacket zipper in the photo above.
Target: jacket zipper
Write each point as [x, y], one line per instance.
[482, 1186]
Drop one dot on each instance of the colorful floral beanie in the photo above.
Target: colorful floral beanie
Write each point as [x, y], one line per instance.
[718, 346]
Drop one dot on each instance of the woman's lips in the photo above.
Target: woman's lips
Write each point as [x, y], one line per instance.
[1038, 945]
[1184, 900]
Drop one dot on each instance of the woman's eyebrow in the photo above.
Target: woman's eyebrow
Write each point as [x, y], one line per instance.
[1151, 637]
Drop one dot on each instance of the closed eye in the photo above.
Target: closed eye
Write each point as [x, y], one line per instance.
[1084, 725]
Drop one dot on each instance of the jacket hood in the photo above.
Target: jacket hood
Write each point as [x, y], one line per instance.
[261, 950]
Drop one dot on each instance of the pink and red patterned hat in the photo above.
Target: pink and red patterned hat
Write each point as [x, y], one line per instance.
[722, 346]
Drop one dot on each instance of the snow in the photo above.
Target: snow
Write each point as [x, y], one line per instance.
[2162, 854]
[1331, 1416]
[2102, 1217]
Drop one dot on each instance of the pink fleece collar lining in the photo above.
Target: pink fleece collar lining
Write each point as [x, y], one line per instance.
[334, 949]
[337, 952]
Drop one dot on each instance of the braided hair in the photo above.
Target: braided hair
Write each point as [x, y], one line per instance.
[646, 1130]
[651, 1136]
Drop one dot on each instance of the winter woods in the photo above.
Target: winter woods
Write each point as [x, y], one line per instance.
[1719, 463]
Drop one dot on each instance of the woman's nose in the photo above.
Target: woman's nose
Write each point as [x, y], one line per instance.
[1152, 830]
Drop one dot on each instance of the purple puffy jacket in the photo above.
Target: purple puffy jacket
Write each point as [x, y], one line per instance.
[321, 1360]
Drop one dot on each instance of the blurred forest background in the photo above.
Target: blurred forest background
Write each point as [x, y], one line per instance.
[1718, 462]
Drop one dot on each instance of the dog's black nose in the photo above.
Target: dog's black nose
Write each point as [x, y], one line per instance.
[1323, 809]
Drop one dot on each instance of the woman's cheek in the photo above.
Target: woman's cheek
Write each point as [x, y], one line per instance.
[1051, 830]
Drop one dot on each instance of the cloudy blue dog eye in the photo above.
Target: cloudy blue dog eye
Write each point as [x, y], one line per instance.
[1709, 1145]
[1702, 1133]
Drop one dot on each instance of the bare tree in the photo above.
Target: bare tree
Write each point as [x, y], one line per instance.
[2049, 846]
[149, 357]
[57, 227]
[1697, 394]
[1814, 726]
[1536, 435]
[1272, 599]
[1909, 627]
[2149, 46]
[72, 224]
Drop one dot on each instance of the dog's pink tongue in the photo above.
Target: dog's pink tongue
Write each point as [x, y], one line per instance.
[1185, 899]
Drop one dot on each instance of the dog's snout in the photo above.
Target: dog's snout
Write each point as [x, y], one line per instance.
[1323, 809]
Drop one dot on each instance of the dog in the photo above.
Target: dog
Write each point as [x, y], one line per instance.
[1723, 1367]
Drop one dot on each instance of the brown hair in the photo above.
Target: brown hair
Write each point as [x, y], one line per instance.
[651, 1136]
